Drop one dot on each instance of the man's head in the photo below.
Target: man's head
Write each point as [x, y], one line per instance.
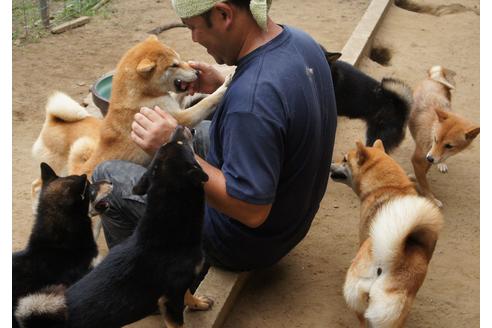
[222, 26]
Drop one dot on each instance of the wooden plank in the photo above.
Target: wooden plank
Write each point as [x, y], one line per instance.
[70, 25]
[221, 286]
[361, 39]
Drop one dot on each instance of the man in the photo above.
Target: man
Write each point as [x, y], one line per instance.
[271, 138]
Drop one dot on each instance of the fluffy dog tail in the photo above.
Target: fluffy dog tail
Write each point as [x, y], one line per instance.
[62, 107]
[404, 235]
[59, 107]
[408, 221]
[389, 123]
[47, 308]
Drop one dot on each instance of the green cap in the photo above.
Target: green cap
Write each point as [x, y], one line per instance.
[190, 8]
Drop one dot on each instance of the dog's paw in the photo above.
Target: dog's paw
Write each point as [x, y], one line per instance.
[442, 167]
[437, 202]
[228, 80]
[200, 303]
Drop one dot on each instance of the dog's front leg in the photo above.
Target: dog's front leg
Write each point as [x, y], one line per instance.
[172, 311]
[197, 303]
[195, 114]
[421, 167]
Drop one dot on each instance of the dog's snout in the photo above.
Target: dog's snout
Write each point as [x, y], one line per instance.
[430, 158]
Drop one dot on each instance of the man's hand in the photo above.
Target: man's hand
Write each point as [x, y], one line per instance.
[209, 79]
[152, 128]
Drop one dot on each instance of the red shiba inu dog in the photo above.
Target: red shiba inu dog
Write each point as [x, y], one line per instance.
[398, 231]
[146, 76]
[438, 132]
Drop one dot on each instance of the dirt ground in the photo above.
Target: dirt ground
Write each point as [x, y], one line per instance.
[305, 288]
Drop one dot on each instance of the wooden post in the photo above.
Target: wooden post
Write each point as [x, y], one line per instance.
[44, 10]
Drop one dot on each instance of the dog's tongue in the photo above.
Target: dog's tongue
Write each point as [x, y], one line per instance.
[183, 85]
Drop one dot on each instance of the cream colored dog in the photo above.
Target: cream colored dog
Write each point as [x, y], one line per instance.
[438, 132]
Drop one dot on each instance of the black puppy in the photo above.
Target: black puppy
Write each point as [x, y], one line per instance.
[61, 246]
[158, 262]
[384, 106]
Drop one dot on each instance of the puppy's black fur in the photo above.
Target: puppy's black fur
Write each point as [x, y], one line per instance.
[161, 258]
[61, 245]
[384, 106]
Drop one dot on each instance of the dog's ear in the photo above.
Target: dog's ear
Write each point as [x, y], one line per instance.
[81, 186]
[145, 66]
[449, 76]
[332, 57]
[152, 37]
[472, 133]
[47, 173]
[142, 185]
[442, 75]
[441, 114]
[378, 144]
[362, 153]
[197, 174]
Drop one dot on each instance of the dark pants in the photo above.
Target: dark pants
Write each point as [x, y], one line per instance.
[126, 209]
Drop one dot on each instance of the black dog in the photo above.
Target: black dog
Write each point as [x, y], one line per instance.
[384, 106]
[158, 262]
[61, 246]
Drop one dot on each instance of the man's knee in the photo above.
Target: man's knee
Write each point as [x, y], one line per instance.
[103, 171]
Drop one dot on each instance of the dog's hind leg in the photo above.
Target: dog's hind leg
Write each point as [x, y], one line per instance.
[172, 309]
[197, 303]
[390, 136]
[96, 231]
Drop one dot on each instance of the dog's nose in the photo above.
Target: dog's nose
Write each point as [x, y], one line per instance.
[193, 131]
[430, 158]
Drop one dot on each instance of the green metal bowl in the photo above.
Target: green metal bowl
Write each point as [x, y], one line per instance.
[101, 92]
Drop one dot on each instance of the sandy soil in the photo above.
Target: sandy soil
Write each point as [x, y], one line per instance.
[305, 288]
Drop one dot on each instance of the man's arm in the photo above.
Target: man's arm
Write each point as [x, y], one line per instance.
[248, 214]
[152, 127]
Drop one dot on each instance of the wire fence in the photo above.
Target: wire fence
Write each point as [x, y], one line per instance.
[31, 19]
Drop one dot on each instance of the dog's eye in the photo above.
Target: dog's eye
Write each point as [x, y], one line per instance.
[175, 65]
[448, 146]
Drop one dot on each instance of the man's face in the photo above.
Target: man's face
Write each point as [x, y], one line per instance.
[210, 37]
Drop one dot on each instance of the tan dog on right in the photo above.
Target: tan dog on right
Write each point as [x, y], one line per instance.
[438, 133]
[398, 231]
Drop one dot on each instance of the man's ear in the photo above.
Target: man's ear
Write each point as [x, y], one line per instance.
[47, 173]
[225, 11]
[142, 185]
[145, 66]
[362, 153]
[378, 144]
[472, 133]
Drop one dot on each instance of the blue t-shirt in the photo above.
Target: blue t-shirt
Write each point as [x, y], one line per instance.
[272, 137]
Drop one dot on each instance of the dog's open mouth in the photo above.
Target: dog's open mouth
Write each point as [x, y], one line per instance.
[101, 206]
[338, 176]
[181, 86]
